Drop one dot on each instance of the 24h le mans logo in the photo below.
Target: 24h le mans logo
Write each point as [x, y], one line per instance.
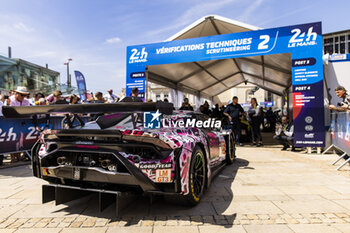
[151, 120]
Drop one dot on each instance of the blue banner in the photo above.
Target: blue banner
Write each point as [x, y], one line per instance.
[18, 134]
[136, 79]
[303, 42]
[79, 77]
[21, 134]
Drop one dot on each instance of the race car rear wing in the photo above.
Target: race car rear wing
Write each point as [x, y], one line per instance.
[126, 107]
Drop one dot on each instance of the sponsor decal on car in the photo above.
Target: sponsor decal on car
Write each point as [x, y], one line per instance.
[163, 175]
[154, 165]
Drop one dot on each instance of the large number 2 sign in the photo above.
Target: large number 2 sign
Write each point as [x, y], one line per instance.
[263, 44]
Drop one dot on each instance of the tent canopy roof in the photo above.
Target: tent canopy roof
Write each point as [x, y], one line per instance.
[211, 78]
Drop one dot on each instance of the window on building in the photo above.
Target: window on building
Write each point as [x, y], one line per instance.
[342, 48]
[328, 40]
[342, 44]
[336, 44]
[328, 49]
[328, 45]
[336, 48]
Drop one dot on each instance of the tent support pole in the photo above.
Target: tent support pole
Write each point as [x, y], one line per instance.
[146, 85]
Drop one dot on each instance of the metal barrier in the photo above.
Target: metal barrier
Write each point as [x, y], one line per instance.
[340, 136]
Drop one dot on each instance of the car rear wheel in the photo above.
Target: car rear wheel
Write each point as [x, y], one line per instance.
[230, 150]
[196, 176]
[196, 180]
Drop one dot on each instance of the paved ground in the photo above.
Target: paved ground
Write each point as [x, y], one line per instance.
[266, 190]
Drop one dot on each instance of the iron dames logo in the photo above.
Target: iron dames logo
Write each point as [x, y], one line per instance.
[151, 120]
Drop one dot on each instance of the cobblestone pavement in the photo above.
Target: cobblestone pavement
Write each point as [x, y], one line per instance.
[266, 190]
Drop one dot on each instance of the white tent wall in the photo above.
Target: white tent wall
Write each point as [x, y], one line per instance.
[336, 74]
[173, 97]
[180, 98]
[197, 101]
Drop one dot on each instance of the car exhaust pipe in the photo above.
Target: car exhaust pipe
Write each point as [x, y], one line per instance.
[105, 163]
[61, 160]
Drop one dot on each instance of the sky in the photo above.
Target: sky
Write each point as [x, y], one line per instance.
[95, 34]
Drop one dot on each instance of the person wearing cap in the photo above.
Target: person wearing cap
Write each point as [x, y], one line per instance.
[19, 98]
[110, 97]
[57, 98]
[344, 105]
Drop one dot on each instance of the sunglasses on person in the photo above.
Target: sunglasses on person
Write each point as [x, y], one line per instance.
[23, 95]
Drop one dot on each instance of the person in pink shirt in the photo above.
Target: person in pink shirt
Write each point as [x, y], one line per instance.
[18, 99]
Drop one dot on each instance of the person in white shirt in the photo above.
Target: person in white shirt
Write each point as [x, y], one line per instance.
[285, 133]
[110, 97]
[19, 99]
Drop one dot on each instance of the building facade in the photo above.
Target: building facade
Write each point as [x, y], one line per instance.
[336, 42]
[17, 72]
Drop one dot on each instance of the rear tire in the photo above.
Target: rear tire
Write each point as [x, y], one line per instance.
[197, 175]
[197, 178]
[230, 150]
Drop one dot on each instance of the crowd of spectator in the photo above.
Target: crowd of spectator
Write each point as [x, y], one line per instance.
[21, 97]
[233, 114]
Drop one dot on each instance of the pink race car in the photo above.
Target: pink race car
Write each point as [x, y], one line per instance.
[175, 155]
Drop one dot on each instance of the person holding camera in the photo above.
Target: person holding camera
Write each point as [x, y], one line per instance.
[344, 105]
[285, 133]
